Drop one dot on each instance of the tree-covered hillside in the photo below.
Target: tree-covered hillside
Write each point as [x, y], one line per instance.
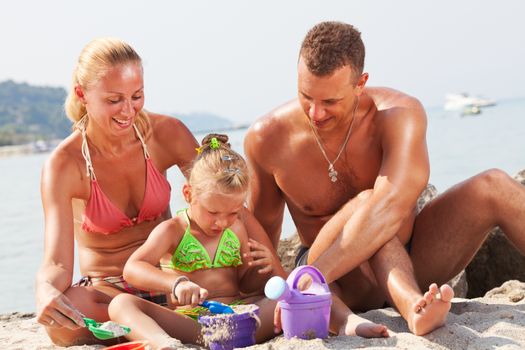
[30, 113]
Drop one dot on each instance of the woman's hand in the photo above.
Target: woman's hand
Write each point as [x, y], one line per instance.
[189, 293]
[259, 256]
[54, 309]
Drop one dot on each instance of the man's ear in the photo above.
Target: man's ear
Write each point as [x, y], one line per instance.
[79, 91]
[361, 82]
[186, 192]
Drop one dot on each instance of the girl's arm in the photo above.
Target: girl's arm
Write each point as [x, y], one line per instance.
[55, 273]
[141, 269]
[142, 272]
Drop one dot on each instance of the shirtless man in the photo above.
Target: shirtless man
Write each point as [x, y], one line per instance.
[350, 163]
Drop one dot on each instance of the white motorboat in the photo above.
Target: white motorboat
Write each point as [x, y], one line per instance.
[464, 101]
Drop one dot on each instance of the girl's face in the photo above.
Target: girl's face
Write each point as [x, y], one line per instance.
[213, 211]
[114, 101]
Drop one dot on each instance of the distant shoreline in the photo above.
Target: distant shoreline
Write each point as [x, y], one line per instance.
[40, 146]
[47, 146]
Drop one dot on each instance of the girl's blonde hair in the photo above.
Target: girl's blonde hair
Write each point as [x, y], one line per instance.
[218, 167]
[95, 60]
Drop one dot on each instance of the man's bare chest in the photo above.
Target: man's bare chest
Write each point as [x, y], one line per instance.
[307, 185]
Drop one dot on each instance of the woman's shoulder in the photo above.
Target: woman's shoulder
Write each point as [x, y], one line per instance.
[171, 141]
[66, 157]
[64, 170]
[164, 125]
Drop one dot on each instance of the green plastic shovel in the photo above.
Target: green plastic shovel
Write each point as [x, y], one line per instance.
[103, 334]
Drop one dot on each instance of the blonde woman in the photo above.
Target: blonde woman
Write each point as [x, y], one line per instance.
[105, 187]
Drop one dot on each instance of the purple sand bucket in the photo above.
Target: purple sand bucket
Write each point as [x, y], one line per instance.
[304, 314]
[229, 331]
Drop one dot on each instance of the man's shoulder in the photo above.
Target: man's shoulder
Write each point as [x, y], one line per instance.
[394, 107]
[274, 126]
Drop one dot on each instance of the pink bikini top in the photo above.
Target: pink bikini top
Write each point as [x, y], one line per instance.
[102, 216]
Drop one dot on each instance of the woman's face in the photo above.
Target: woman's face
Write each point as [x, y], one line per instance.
[114, 101]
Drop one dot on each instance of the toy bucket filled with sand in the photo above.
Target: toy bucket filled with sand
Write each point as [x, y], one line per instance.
[230, 331]
[304, 314]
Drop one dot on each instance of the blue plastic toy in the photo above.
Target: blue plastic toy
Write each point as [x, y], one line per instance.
[216, 307]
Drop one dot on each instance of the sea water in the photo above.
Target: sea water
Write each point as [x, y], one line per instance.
[459, 147]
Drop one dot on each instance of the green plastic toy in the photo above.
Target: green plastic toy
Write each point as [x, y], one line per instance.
[103, 334]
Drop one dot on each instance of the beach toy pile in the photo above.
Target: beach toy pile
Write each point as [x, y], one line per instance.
[304, 314]
[227, 328]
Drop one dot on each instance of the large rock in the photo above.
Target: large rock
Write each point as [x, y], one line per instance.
[496, 262]
[429, 193]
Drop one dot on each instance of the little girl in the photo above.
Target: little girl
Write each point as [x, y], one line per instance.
[204, 253]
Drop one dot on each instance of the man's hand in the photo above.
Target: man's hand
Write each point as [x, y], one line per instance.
[261, 257]
[189, 293]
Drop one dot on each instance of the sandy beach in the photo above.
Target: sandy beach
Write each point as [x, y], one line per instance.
[496, 321]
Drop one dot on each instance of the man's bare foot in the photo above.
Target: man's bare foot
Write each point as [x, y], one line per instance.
[361, 327]
[431, 310]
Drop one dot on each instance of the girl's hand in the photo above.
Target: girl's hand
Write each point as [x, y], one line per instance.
[54, 309]
[189, 293]
[260, 256]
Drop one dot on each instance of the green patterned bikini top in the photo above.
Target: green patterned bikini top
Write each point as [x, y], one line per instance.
[191, 255]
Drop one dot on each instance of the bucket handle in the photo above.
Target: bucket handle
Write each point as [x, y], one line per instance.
[312, 271]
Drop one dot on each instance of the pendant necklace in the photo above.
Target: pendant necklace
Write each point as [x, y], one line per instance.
[332, 173]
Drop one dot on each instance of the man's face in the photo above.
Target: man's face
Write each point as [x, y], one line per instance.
[328, 100]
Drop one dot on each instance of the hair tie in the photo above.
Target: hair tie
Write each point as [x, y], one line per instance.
[228, 157]
[214, 143]
[199, 150]
[232, 171]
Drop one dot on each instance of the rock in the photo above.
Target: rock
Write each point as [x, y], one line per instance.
[429, 193]
[460, 285]
[287, 251]
[496, 262]
[513, 291]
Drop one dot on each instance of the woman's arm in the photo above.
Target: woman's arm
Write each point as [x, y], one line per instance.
[56, 271]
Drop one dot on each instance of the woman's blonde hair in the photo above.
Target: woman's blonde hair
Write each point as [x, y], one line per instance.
[218, 167]
[95, 60]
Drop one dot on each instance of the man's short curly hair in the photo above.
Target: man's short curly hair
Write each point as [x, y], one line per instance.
[329, 46]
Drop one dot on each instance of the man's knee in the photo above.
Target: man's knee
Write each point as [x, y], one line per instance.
[492, 178]
[491, 185]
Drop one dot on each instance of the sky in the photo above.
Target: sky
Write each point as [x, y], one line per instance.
[238, 59]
